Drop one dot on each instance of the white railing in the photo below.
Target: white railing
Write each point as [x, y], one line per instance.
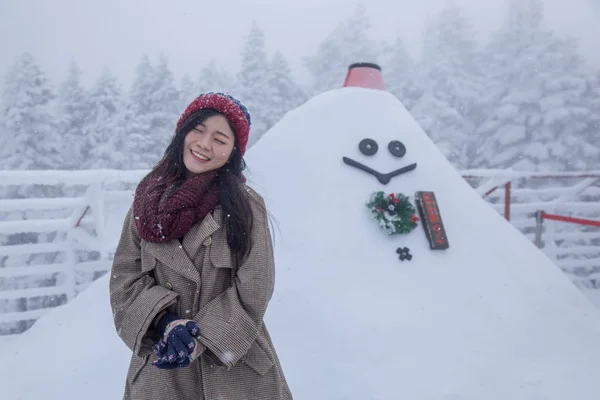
[62, 228]
[87, 215]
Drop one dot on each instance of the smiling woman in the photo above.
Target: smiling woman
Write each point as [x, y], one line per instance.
[194, 269]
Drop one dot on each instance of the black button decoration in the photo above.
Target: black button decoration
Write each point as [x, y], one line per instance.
[392, 209]
[368, 147]
[404, 253]
[397, 148]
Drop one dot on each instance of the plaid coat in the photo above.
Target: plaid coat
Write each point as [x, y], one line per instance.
[198, 279]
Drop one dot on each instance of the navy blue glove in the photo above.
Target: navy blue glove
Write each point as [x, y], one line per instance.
[164, 363]
[178, 345]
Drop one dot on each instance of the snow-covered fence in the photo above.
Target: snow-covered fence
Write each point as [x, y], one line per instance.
[58, 229]
[51, 248]
[519, 195]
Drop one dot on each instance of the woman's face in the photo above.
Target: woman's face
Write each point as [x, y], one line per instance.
[208, 146]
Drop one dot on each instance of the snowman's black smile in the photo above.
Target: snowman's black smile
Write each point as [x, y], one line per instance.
[383, 178]
[369, 147]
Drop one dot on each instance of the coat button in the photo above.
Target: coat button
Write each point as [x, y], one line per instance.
[169, 286]
[208, 242]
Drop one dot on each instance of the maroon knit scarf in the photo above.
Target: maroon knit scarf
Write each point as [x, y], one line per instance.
[163, 214]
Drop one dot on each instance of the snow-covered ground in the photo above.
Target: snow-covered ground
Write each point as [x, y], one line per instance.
[489, 318]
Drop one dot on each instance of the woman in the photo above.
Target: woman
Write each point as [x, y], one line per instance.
[194, 268]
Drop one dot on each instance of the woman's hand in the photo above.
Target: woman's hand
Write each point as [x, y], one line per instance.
[179, 345]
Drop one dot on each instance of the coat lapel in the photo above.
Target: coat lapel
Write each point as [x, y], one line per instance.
[199, 233]
[180, 257]
[173, 257]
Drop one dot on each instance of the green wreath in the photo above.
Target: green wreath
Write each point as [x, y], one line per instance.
[394, 212]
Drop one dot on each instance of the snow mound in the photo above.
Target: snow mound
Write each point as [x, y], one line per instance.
[72, 352]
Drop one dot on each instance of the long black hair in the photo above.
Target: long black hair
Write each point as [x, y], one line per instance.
[233, 197]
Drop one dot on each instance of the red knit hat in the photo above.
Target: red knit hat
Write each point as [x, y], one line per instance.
[230, 107]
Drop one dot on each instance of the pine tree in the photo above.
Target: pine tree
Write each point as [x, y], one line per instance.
[287, 95]
[137, 144]
[400, 72]
[151, 114]
[215, 78]
[188, 91]
[560, 139]
[164, 108]
[106, 101]
[592, 131]
[4, 132]
[348, 43]
[510, 91]
[211, 78]
[535, 106]
[451, 84]
[252, 86]
[142, 87]
[137, 149]
[32, 141]
[74, 110]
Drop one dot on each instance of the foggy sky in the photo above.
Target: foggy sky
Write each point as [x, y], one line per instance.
[115, 33]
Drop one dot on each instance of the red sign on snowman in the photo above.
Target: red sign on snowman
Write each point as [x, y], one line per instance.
[432, 221]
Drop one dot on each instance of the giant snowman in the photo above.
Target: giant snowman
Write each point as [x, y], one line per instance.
[462, 306]
[470, 311]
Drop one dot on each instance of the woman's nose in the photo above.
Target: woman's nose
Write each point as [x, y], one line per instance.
[204, 142]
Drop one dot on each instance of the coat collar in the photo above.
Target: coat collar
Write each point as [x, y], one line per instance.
[201, 232]
[179, 257]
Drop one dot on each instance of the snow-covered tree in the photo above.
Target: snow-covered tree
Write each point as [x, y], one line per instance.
[188, 91]
[213, 77]
[164, 107]
[140, 147]
[4, 135]
[450, 79]
[560, 139]
[400, 73]
[140, 95]
[348, 43]
[106, 101]
[536, 108]
[31, 140]
[252, 86]
[149, 119]
[137, 150]
[287, 95]
[592, 134]
[74, 119]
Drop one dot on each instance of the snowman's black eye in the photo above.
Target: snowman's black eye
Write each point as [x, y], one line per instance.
[368, 147]
[397, 148]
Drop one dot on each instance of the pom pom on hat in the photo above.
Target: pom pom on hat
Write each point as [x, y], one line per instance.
[233, 109]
